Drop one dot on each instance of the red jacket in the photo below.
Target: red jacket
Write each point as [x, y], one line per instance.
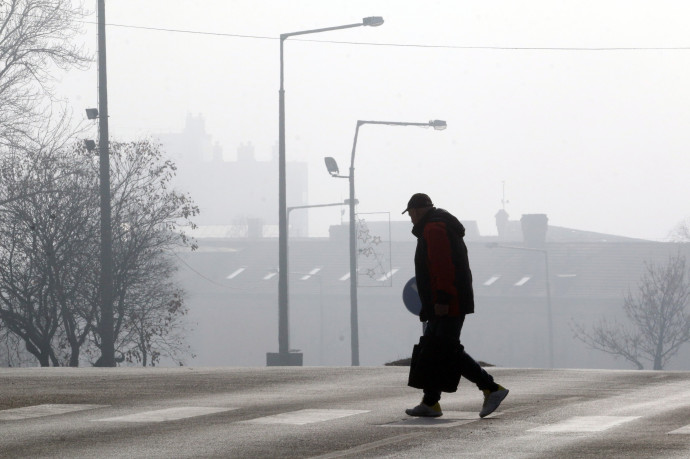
[442, 268]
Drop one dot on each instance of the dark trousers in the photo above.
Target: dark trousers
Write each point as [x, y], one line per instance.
[450, 328]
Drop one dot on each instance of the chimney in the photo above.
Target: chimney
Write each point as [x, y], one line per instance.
[502, 223]
[245, 152]
[534, 228]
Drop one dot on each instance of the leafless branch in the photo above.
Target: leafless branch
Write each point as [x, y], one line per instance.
[658, 315]
[36, 38]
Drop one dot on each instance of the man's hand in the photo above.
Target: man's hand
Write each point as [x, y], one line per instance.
[441, 309]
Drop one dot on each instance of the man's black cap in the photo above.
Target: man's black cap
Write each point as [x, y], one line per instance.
[418, 201]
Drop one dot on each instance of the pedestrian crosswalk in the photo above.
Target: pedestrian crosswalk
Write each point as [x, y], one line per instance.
[303, 417]
[449, 419]
[586, 424]
[573, 424]
[168, 414]
[38, 411]
[685, 430]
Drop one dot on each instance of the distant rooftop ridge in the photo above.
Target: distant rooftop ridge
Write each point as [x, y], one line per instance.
[401, 231]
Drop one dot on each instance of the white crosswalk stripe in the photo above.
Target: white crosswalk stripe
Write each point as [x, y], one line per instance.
[38, 411]
[682, 431]
[167, 414]
[449, 419]
[585, 424]
[302, 417]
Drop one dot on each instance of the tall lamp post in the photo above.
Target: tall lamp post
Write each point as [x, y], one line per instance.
[283, 356]
[332, 167]
[107, 333]
[549, 317]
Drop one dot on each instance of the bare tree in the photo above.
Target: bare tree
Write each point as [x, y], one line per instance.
[149, 218]
[35, 182]
[681, 233]
[68, 238]
[36, 36]
[12, 350]
[155, 321]
[659, 319]
[49, 270]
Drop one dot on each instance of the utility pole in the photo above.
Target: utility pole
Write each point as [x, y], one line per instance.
[107, 329]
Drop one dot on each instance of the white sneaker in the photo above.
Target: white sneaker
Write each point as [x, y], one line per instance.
[492, 400]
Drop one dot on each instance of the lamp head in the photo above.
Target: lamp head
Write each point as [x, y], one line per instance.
[92, 113]
[332, 166]
[439, 125]
[373, 21]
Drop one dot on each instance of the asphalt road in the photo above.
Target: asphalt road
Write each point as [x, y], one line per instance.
[337, 412]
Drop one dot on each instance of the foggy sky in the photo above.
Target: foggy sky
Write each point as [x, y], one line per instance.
[595, 138]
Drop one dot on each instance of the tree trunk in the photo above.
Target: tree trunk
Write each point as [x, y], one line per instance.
[53, 358]
[40, 354]
[74, 356]
[144, 354]
[43, 359]
[659, 351]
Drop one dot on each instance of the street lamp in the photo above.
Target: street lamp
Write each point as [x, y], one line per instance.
[493, 245]
[283, 356]
[92, 113]
[332, 167]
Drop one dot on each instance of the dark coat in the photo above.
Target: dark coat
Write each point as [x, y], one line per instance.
[442, 268]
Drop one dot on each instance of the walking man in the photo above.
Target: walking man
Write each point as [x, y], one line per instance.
[444, 282]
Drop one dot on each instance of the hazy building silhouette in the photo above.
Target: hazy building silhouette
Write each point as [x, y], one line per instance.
[236, 198]
[590, 273]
